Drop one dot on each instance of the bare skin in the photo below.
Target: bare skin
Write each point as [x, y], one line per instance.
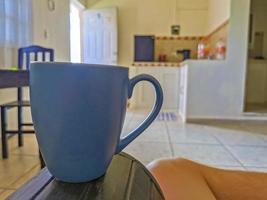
[187, 180]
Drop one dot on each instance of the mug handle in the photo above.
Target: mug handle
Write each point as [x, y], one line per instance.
[151, 117]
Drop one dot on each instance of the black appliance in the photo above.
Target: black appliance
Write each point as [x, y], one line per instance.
[144, 48]
[185, 52]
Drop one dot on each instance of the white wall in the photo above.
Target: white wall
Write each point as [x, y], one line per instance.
[216, 88]
[52, 28]
[56, 24]
[218, 13]
[154, 17]
[192, 16]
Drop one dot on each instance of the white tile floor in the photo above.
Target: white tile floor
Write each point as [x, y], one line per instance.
[224, 148]
[239, 146]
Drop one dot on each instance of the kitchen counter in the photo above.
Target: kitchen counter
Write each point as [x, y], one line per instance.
[156, 64]
[173, 64]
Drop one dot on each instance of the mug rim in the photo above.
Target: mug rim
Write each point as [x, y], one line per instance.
[80, 65]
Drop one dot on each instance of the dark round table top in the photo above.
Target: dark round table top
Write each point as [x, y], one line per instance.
[126, 178]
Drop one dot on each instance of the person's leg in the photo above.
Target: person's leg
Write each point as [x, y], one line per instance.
[180, 179]
[236, 185]
[184, 179]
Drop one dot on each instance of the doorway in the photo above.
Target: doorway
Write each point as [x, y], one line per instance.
[256, 83]
[75, 31]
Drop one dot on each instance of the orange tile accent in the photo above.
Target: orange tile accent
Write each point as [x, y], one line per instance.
[179, 37]
[156, 64]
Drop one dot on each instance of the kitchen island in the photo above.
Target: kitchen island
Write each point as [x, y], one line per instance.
[193, 88]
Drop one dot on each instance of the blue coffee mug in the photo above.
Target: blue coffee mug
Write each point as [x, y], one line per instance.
[78, 112]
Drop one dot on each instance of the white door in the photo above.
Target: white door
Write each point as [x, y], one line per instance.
[100, 36]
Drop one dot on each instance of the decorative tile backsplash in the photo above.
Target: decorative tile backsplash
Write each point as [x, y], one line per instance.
[169, 45]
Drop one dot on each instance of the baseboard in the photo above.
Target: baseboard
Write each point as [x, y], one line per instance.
[237, 120]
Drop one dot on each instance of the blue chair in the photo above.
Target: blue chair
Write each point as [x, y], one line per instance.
[25, 52]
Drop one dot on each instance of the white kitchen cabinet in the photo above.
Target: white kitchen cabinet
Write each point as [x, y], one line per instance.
[183, 84]
[169, 80]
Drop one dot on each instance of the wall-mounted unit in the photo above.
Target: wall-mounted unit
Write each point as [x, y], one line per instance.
[144, 48]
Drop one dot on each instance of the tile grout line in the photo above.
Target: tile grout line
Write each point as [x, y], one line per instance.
[128, 123]
[263, 138]
[227, 166]
[7, 188]
[4, 190]
[169, 138]
[198, 143]
[22, 176]
[256, 167]
[208, 144]
[251, 146]
[225, 147]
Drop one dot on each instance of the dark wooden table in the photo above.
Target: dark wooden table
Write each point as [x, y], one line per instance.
[126, 179]
[13, 78]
